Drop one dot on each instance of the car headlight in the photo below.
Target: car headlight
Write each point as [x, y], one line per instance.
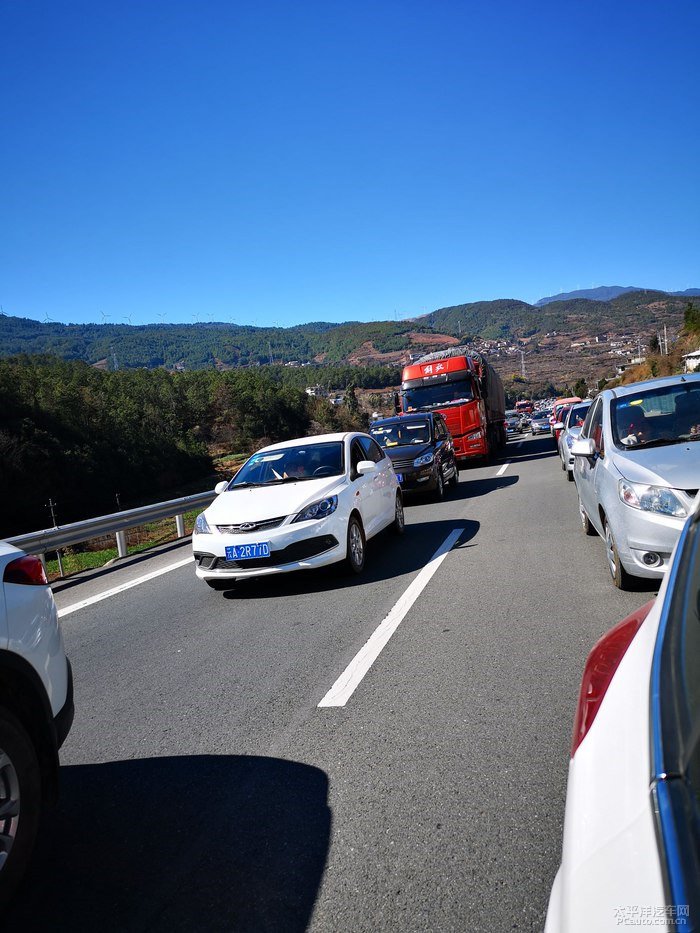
[320, 509]
[569, 441]
[658, 499]
[201, 525]
[423, 460]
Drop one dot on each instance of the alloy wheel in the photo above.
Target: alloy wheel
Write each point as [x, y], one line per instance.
[9, 806]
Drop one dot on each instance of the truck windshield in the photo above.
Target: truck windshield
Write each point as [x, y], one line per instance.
[422, 398]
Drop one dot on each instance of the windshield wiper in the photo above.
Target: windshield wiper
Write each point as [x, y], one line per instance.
[659, 442]
[244, 485]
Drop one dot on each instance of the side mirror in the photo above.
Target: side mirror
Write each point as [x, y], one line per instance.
[583, 447]
[366, 466]
[221, 487]
[558, 426]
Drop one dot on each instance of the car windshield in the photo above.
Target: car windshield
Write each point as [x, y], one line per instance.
[657, 417]
[291, 464]
[577, 416]
[541, 416]
[438, 396]
[398, 433]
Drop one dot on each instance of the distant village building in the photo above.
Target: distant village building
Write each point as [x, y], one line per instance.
[317, 391]
[692, 361]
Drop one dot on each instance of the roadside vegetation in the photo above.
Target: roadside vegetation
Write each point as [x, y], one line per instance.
[94, 442]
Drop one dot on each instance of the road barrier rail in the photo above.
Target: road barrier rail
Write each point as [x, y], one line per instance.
[53, 539]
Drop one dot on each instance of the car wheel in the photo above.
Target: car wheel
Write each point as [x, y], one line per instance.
[570, 475]
[563, 465]
[585, 521]
[454, 482]
[355, 558]
[20, 802]
[621, 579]
[221, 585]
[439, 493]
[398, 526]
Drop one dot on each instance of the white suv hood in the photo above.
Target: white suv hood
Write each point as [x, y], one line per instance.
[677, 465]
[261, 503]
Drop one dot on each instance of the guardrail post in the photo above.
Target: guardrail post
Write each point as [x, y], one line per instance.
[180, 525]
[121, 544]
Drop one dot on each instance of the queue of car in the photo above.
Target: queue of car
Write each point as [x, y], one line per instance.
[631, 844]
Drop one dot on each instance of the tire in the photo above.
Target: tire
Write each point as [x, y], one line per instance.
[620, 577]
[20, 802]
[585, 522]
[454, 482]
[439, 492]
[398, 526]
[570, 475]
[356, 546]
[221, 585]
[563, 465]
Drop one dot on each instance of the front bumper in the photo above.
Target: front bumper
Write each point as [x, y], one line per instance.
[301, 546]
[637, 533]
[417, 479]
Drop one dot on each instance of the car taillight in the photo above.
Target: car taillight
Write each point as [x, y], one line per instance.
[601, 665]
[27, 570]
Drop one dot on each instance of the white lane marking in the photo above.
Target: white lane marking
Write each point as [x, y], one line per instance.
[352, 676]
[67, 610]
[503, 469]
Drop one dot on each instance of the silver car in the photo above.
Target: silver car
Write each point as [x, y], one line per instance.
[570, 429]
[637, 470]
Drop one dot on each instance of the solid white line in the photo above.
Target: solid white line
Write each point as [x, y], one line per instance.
[352, 676]
[503, 469]
[122, 587]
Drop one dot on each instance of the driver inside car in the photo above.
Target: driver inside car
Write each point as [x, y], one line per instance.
[294, 469]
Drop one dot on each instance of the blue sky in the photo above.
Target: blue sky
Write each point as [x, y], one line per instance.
[280, 162]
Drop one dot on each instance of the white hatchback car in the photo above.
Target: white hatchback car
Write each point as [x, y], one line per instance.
[631, 850]
[300, 504]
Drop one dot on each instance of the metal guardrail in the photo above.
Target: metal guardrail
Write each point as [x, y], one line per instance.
[51, 539]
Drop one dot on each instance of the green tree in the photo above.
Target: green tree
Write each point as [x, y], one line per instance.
[581, 388]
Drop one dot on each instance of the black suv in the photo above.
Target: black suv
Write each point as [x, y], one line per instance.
[421, 450]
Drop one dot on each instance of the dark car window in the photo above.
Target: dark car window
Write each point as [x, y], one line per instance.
[356, 455]
[676, 719]
[577, 415]
[440, 429]
[401, 432]
[371, 450]
[593, 426]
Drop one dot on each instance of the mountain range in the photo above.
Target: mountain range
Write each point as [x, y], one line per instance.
[222, 345]
[606, 293]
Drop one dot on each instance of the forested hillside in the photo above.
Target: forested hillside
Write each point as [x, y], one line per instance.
[84, 437]
[220, 346]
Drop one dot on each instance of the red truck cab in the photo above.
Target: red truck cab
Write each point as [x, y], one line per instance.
[453, 385]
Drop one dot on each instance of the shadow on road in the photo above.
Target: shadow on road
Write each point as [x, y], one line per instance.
[531, 448]
[185, 843]
[402, 555]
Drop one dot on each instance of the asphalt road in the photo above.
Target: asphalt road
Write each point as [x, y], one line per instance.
[204, 789]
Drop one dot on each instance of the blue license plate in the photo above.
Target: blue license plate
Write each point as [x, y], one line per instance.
[247, 551]
[399, 477]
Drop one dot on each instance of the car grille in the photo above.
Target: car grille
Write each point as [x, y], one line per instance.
[247, 527]
[400, 465]
[300, 550]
